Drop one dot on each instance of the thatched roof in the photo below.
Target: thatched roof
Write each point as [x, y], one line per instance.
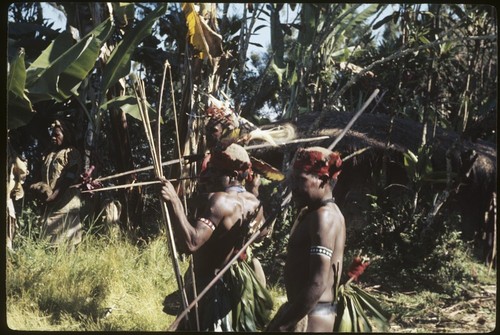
[374, 131]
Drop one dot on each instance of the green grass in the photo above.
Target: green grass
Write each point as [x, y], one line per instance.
[112, 284]
[100, 285]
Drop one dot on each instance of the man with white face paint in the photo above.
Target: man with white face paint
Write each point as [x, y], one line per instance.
[316, 245]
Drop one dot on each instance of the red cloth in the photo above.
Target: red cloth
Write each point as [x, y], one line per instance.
[321, 163]
[357, 268]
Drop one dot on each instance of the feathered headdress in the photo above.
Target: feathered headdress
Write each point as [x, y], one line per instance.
[239, 130]
[236, 129]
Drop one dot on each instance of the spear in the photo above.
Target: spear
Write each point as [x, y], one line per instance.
[264, 145]
[147, 168]
[354, 118]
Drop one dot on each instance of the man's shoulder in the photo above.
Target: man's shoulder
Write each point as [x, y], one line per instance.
[326, 217]
[221, 198]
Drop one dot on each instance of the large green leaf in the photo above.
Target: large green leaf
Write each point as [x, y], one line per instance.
[19, 106]
[128, 104]
[16, 78]
[346, 323]
[59, 70]
[119, 62]
[356, 18]
[372, 305]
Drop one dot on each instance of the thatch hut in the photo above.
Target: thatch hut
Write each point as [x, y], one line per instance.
[471, 191]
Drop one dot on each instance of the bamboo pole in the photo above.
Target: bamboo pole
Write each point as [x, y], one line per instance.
[158, 123]
[354, 118]
[182, 184]
[159, 174]
[178, 142]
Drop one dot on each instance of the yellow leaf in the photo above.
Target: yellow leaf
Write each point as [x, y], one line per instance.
[206, 41]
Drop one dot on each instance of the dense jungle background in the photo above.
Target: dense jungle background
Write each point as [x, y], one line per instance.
[418, 186]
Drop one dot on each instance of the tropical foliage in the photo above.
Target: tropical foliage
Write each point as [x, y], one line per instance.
[435, 64]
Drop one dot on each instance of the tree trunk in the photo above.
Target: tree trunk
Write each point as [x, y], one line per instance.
[131, 199]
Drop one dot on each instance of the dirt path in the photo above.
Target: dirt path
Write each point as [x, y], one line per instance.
[475, 315]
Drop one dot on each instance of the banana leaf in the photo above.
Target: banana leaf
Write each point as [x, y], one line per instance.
[354, 306]
[118, 65]
[60, 69]
[201, 36]
[128, 104]
[19, 106]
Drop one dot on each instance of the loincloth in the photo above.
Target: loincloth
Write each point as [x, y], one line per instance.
[321, 308]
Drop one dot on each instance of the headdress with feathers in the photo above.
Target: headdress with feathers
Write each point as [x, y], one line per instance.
[237, 129]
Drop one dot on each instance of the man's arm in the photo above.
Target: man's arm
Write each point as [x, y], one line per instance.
[192, 237]
[67, 178]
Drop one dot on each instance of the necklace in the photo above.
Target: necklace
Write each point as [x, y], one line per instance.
[237, 188]
[327, 201]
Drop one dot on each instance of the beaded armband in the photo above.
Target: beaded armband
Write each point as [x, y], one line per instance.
[319, 250]
[207, 222]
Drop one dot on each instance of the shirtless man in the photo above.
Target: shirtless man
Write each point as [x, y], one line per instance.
[316, 245]
[231, 214]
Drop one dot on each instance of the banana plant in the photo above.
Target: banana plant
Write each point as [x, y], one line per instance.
[60, 70]
[63, 70]
[322, 45]
[55, 75]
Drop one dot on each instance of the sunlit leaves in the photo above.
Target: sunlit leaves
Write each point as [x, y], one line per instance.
[118, 65]
[206, 41]
[19, 104]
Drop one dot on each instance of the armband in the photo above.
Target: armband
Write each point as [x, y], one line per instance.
[207, 222]
[319, 250]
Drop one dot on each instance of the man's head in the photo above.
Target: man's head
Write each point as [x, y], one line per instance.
[228, 162]
[62, 133]
[314, 173]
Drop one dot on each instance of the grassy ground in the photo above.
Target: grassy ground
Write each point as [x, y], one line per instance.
[103, 284]
[110, 284]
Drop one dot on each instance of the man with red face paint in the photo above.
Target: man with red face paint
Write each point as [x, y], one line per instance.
[316, 245]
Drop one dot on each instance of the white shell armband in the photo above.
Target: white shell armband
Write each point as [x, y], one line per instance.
[319, 250]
